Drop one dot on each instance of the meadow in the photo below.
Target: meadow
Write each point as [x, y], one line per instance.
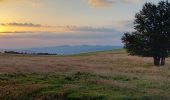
[107, 75]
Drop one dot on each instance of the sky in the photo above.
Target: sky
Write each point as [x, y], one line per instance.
[45, 23]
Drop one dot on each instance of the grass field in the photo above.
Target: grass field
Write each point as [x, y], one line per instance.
[110, 75]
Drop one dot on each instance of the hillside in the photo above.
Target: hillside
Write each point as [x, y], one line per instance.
[65, 49]
[109, 75]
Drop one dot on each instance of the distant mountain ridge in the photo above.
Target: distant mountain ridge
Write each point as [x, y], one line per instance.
[66, 49]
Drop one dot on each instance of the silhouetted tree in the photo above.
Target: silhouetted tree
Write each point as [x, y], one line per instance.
[151, 37]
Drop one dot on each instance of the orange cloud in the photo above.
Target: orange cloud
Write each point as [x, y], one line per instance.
[107, 3]
[21, 24]
[98, 3]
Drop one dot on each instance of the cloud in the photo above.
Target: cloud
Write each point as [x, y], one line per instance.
[110, 26]
[66, 35]
[73, 32]
[123, 25]
[17, 32]
[107, 3]
[92, 3]
[75, 35]
[89, 29]
[45, 28]
[99, 3]
[21, 24]
[71, 29]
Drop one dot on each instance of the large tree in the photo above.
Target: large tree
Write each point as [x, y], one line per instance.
[151, 37]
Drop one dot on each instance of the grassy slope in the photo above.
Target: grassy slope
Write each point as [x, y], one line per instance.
[111, 75]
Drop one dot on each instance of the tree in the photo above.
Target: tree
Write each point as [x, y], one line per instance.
[151, 37]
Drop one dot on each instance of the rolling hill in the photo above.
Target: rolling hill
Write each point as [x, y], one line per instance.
[66, 49]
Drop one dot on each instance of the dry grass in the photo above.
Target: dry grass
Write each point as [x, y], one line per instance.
[114, 68]
[101, 63]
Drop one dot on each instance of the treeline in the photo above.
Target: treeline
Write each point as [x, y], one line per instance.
[25, 53]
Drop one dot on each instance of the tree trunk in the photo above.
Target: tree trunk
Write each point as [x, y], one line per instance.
[159, 61]
[156, 61]
[162, 61]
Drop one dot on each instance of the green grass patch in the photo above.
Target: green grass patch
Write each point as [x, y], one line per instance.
[78, 86]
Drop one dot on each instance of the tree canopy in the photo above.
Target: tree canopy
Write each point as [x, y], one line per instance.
[151, 37]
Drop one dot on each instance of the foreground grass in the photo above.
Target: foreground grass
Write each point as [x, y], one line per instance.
[80, 86]
[111, 75]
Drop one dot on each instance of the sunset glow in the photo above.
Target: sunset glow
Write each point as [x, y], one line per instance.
[66, 22]
[3, 29]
